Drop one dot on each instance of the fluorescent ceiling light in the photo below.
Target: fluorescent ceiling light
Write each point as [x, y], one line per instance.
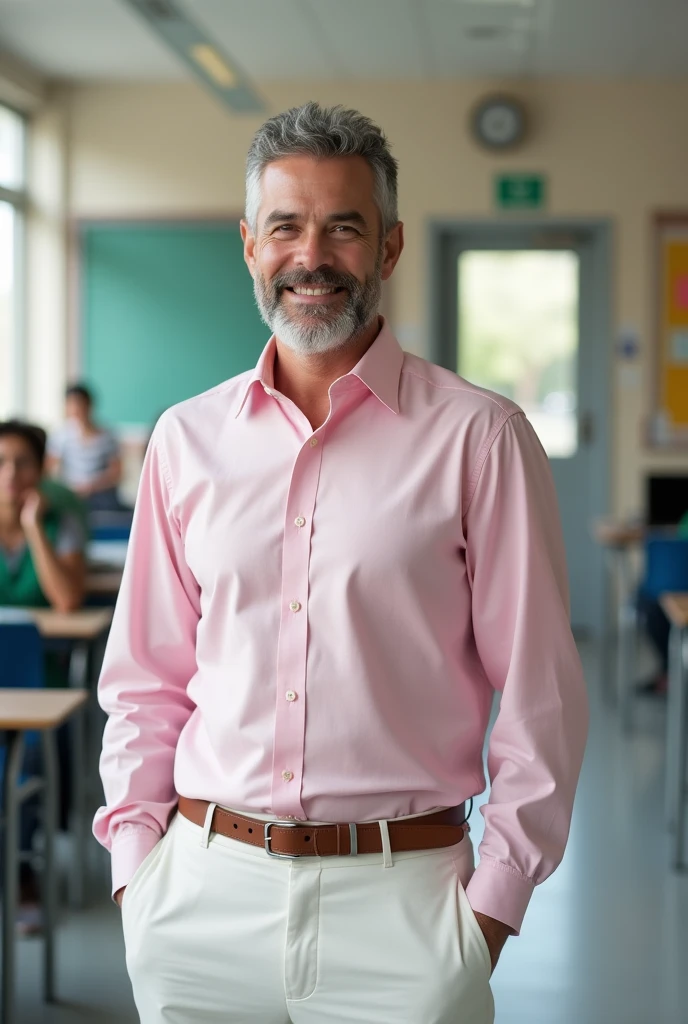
[207, 57]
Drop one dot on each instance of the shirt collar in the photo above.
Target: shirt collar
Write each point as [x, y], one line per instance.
[379, 369]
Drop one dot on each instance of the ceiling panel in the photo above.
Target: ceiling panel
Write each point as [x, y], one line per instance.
[104, 39]
[269, 38]
[616, 37]
[84, 39]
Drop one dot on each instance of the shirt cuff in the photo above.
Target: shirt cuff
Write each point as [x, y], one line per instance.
[498, 891]
[128, 854]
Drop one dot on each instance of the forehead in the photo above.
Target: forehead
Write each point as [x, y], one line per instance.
[304, 184]
[12, 444]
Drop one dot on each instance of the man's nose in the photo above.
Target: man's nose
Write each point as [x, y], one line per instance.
[314, 251]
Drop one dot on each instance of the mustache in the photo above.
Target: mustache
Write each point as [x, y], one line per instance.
[324, 278]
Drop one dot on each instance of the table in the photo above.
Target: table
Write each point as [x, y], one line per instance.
[103, 582]
[83, 629]
[676, 609]
[21, 711]
[619, 540]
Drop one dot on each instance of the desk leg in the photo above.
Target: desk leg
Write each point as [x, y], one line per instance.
[78, 810]
[13, 764]
[78, 667]
[672, 726]
[626, 640]
[51, 789]
[680, 763]
[609, 627]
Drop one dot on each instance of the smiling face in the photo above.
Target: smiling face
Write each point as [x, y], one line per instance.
[317, 256]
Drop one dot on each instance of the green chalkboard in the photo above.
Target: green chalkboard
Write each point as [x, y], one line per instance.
[167, 312]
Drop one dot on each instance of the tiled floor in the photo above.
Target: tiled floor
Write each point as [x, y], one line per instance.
[605, 940]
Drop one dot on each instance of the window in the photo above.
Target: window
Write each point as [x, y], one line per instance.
[12, 205]
[518, 335]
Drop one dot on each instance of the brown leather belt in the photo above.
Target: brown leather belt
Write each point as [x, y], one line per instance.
[300, 839]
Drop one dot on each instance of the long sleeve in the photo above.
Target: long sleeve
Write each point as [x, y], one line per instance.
[150, 658]
[520, 610]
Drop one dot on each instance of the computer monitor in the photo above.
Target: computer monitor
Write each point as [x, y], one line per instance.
[666, 499]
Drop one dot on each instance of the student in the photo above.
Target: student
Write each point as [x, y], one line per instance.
[85, 455]
[41, 564]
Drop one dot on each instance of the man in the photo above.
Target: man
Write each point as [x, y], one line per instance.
[336, 559]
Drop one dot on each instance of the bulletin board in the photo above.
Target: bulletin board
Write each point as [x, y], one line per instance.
[670, 420]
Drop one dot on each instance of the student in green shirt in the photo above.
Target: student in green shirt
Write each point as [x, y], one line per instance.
[42, 540]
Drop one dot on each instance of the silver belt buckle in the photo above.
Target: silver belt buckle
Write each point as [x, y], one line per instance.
[353, 838]
[268, 839]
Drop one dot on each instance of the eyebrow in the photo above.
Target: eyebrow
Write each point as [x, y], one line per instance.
[349, 216]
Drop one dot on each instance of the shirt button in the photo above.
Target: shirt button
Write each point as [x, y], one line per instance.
[290, 695]
[287, 776]
[300, 521]
[295, 606]
[314, 442]
[267, 389]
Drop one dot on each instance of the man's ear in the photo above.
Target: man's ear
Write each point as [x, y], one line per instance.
[394, 244]
[249, 240]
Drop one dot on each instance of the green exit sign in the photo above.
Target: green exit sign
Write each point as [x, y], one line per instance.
[520, 191]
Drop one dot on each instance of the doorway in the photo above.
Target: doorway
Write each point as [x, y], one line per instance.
[524, 309]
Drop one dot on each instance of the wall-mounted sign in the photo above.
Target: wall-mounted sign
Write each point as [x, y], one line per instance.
[520, 191]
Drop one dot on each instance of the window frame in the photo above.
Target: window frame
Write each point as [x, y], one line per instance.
[18, 199]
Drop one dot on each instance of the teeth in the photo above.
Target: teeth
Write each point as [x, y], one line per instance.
[314, 291]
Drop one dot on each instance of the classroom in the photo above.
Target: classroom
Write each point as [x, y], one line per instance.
[237, 242]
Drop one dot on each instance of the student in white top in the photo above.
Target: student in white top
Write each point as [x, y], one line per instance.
[85, 455]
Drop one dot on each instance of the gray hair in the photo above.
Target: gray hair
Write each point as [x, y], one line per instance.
[323, 132]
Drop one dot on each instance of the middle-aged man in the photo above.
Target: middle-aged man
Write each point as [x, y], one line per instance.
[336, 560]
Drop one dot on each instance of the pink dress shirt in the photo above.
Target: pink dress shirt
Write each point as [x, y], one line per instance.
[312, 623]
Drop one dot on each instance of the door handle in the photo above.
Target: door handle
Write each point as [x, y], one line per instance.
[586, 428]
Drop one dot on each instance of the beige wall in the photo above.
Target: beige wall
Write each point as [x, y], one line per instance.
[610, 149]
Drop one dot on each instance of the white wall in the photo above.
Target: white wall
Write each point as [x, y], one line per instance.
[610, 149]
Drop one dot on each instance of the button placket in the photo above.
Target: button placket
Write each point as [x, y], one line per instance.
[290, 712]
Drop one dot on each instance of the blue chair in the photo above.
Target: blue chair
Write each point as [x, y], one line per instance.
[22, 665]
[666, 570]
[105, 533]
[666, 566]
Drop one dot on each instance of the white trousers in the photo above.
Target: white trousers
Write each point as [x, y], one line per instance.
[224, 934]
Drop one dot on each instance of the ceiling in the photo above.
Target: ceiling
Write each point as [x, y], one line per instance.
[106, 39]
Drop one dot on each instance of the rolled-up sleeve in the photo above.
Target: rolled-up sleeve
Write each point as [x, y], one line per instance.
[149, 661]
[520, 608]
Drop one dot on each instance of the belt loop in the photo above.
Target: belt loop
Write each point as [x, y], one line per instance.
[387, 861]
[205, 838]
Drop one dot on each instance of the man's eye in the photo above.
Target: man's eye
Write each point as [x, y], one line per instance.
[285, 227]
[345, 228]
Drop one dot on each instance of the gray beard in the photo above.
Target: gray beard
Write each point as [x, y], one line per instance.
[317, 328]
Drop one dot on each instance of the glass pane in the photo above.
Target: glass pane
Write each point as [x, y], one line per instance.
[7, 346]
[518, 335]
[11, 149]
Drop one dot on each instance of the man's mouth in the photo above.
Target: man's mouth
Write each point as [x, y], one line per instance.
[315, 291]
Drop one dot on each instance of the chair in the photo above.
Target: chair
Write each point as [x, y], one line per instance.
[22, 666]
[22, 661]
[666, 566]
[107, 526]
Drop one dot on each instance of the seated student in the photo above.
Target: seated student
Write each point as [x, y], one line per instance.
[41, 564]
[84, 455]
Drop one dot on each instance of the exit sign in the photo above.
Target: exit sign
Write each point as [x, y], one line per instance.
[520, 191]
